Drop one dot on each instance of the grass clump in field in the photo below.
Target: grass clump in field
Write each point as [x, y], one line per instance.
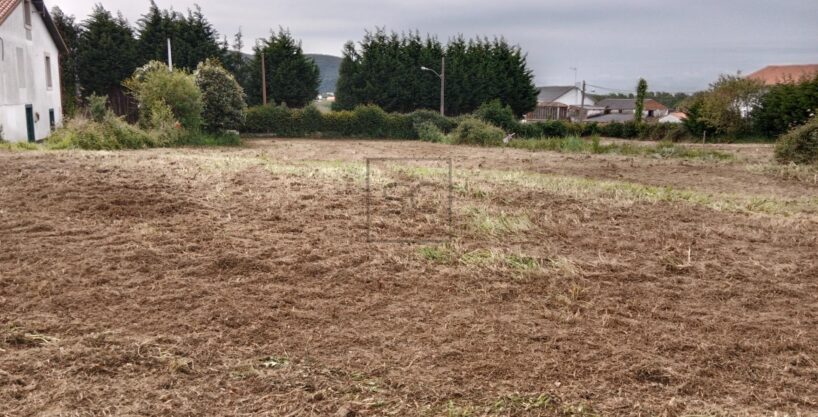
[441, 254]
[574, 144]
[789, 172]
[498, 224]
[19, 146]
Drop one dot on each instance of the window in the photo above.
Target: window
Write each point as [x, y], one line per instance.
[27, 12]
[21, 68]
[48, 82]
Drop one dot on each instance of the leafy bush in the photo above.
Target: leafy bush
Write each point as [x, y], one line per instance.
[799, 145]
[445, 124]
[497, 114]
[155, 86]
[473, 131]
[364, 121]
[97, 107]
[108, 134]
[429, 132]
[786, 105]
[223, 106]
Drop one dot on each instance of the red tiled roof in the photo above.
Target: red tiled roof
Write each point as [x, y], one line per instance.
[780, 74]
[6, 7]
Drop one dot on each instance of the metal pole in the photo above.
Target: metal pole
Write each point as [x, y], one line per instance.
[263, 80]
[442, 85]
[170, 57]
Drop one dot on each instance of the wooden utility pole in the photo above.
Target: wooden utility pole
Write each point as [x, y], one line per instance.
[263, 80]
[582, 104]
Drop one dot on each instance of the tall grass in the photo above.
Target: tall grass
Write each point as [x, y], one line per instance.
[575, 144]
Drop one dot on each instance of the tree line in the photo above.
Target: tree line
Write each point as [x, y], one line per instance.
[385, 69]
[104, 50]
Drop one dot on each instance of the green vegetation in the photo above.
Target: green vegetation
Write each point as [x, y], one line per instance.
[165, 96]
[384, 69]
[362, 122]
[473, 131]
[786, 105]
[800, 145]
[292, 78]
[222, 97]
[106, 52]
[641, 90]
[170, 115]
[573, 144]
[722, 109]
[429, 132]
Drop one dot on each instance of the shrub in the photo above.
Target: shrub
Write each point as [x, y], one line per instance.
[477, 132]
[223, 106]
[97, 107]
[429, 132]
[371, 121]
[443, 123]
[311, 119]
[154, 85]
[108, 134]
[496, 113]
[399, 126]
[799, 145]
[271, 118]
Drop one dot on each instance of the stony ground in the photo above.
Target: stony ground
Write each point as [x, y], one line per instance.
[256, 281]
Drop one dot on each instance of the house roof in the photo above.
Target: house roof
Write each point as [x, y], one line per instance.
[780, 74]
[614, 117]
[552, 92]
[629, 104]
[8, 6]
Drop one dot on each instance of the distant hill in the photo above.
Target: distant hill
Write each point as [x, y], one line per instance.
[328, 66]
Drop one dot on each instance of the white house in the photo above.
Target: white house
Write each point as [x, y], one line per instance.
[560, 103]
[30, 102]
[675, 117]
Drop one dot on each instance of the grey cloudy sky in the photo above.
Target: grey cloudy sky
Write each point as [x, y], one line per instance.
[675, 45]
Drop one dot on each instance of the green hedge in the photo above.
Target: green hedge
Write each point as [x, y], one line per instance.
[363, 121]
[372, 122]
[622, 130]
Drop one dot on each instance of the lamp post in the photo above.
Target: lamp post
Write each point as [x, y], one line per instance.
[442, 76]
[263, 74]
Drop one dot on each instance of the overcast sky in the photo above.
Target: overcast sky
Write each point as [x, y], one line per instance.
[675, 45]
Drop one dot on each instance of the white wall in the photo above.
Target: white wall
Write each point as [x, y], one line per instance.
[574, 98]
[14, 94]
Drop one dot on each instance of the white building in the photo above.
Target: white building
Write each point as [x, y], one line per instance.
[676, 117]
[30, 45]
[560, 103]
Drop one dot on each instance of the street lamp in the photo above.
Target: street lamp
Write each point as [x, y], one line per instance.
[263, 73]
[442, 76]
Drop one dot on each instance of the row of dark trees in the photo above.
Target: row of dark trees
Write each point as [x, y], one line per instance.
[104, 50]
[385, 69]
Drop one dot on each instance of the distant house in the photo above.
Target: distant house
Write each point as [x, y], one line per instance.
[30, 102]
[652, 108]
[782, 74]
[559, 103]
[675, 117]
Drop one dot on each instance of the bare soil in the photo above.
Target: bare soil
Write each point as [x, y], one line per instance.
[241, 282]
